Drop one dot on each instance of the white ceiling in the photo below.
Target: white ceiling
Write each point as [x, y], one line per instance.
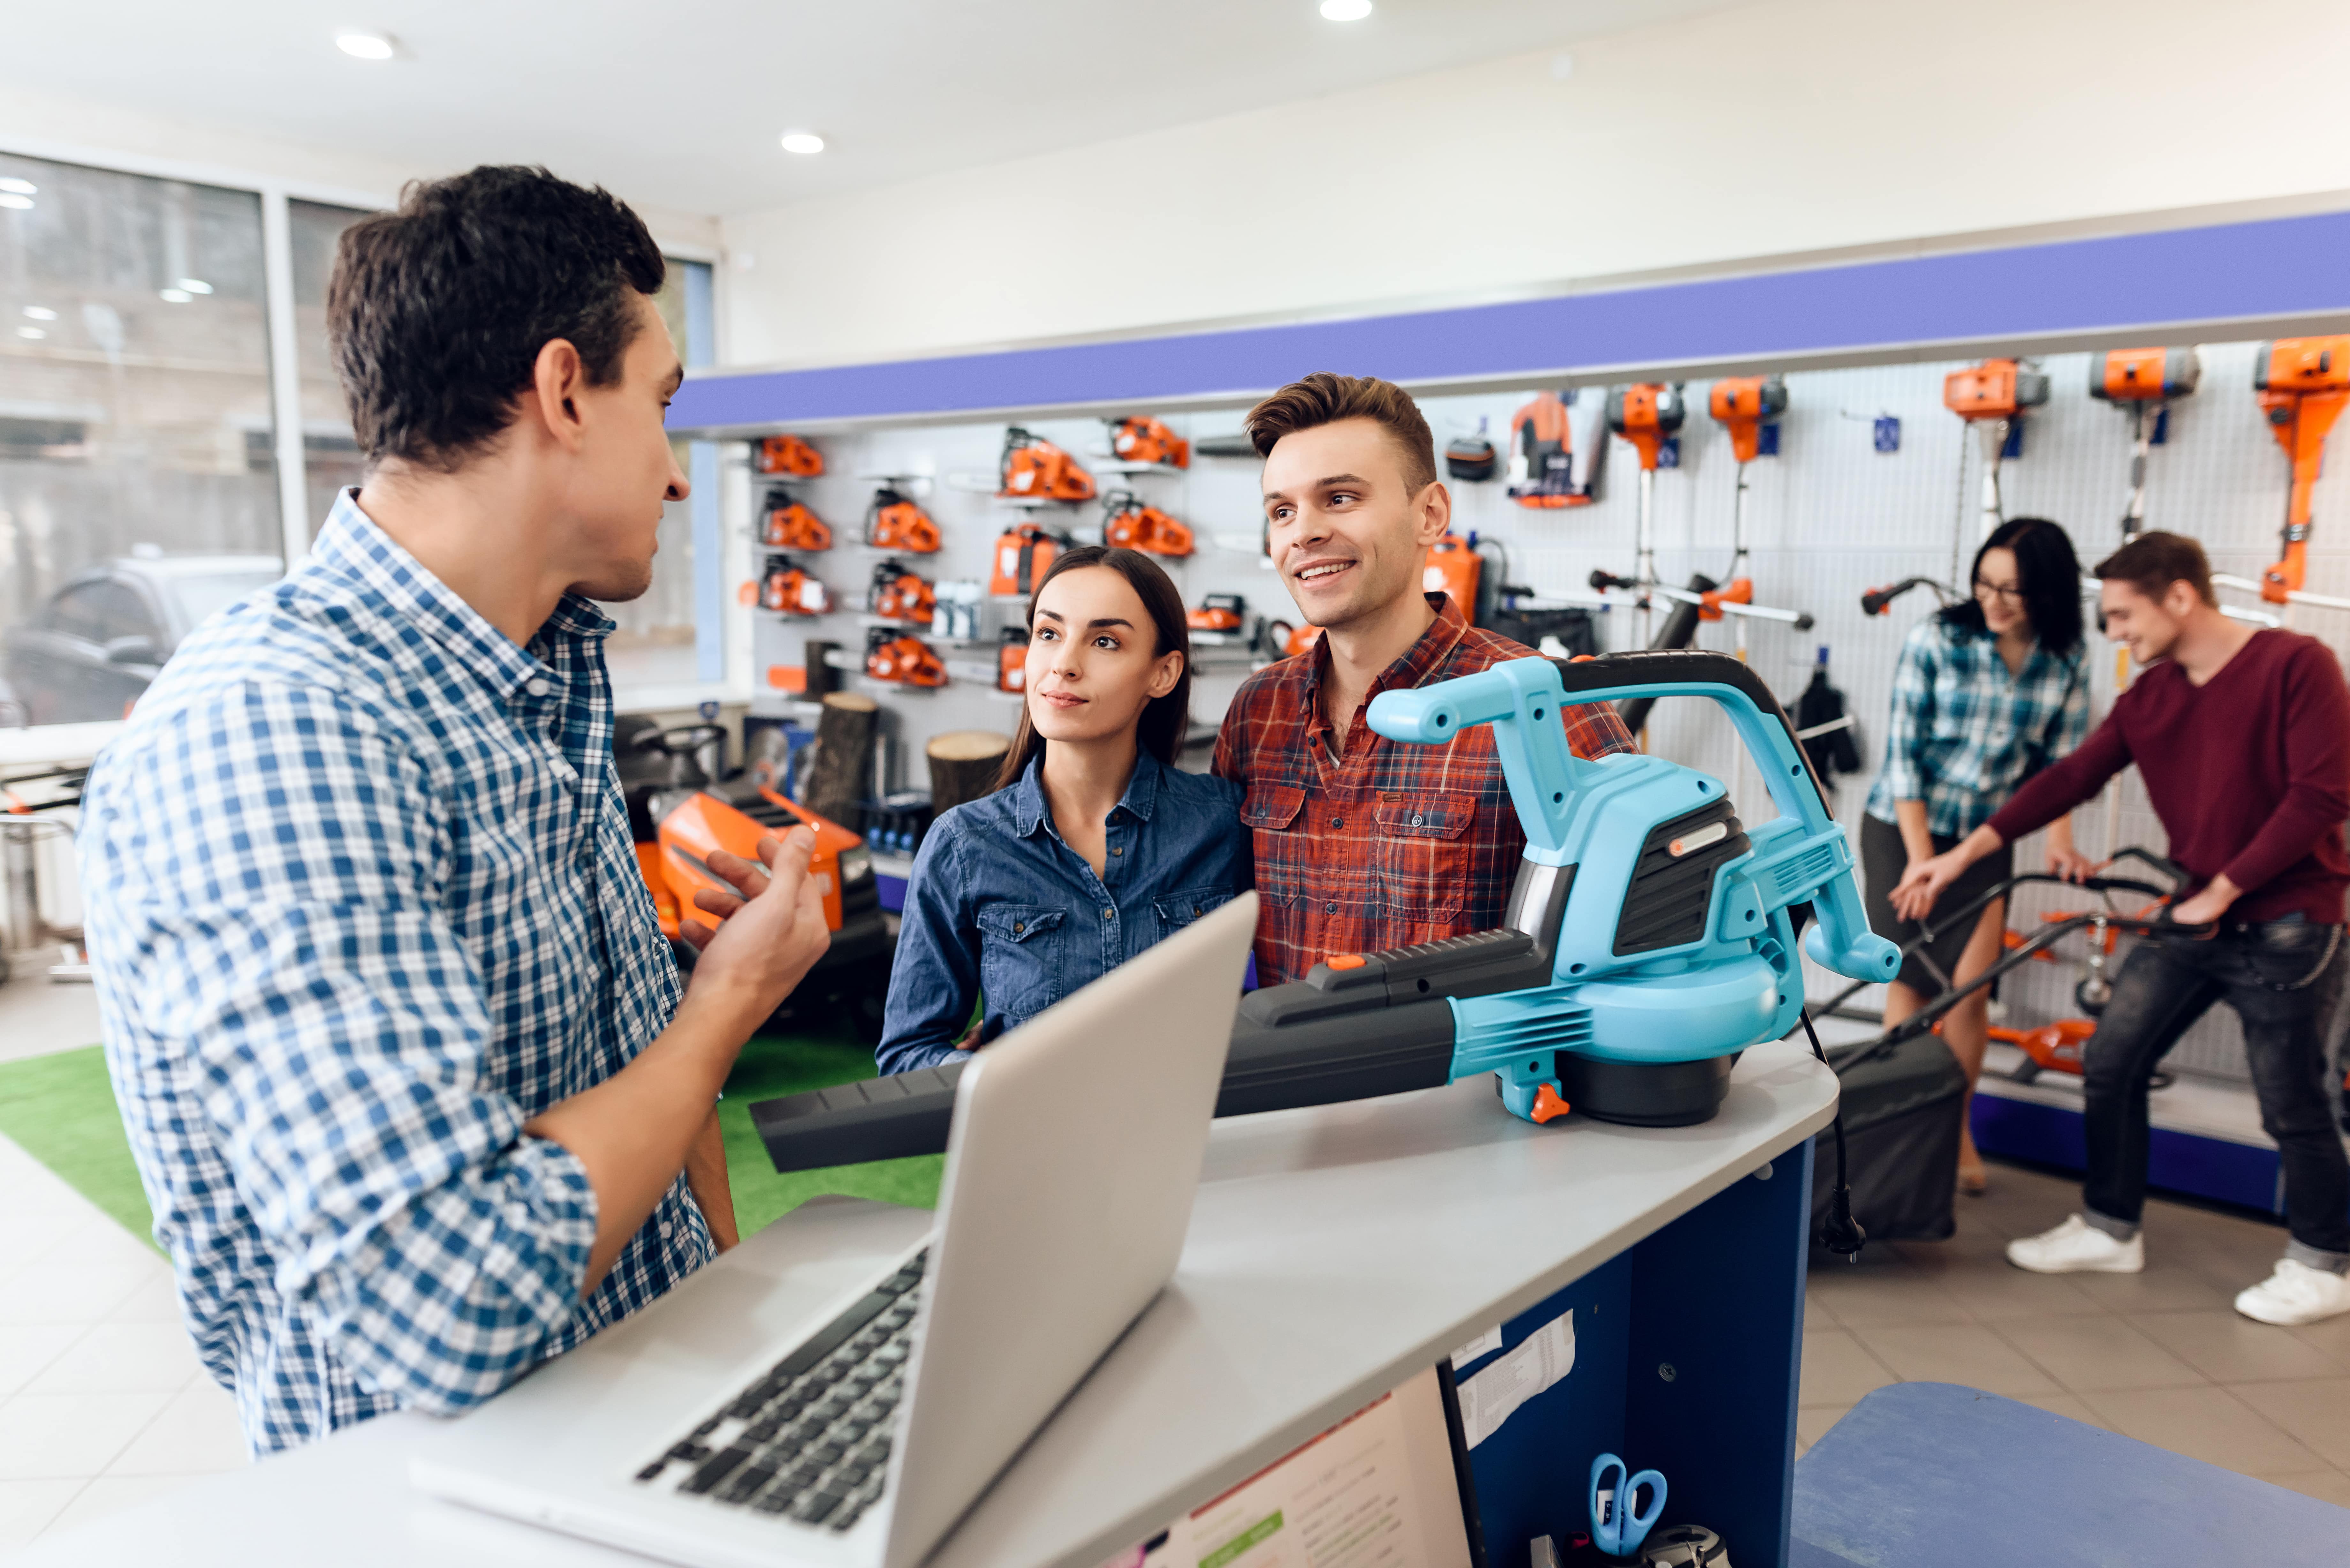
[680, 104]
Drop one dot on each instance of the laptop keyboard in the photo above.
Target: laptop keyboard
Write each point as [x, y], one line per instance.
[809, 1438]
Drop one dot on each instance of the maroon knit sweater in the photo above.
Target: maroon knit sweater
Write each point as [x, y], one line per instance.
[2250, 773]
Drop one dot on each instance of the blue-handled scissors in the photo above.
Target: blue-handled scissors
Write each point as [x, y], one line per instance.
[1615, 1527]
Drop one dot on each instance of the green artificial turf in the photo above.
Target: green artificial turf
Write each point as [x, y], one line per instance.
[785, 1065]
[60, 1108]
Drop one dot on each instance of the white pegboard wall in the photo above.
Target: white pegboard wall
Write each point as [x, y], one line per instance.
[1827, 518]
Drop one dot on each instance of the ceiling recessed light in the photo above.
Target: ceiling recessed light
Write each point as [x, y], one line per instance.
[17, 187]
[12, 201]
[196, 285]
[806, 143]
[30, 332]
[367, 45]
[174, 296]
[1344, 10]
[40, 312]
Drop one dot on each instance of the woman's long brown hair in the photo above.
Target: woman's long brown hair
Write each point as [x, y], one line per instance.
[1160, 731]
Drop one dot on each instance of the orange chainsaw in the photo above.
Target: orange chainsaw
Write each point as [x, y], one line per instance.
[788, 454]
[898, 594]
[677, 817]
[1218, 612]
[1141, 439]
[896, 657]
[1022, 554]
[788, 590]
[789, 525]
[1033, 469]
[2302, 383]
[894, 523]
[1132, 523]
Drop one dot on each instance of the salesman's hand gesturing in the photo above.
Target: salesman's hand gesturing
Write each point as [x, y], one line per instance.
[759, 945]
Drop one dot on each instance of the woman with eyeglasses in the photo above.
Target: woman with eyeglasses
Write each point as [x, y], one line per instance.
[1989, 691]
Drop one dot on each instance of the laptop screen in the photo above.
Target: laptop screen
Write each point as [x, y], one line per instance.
[1382, 1485]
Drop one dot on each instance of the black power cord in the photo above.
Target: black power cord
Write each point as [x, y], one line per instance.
[1840, 1233]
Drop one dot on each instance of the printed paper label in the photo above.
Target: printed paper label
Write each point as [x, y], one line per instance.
[1492, 1395]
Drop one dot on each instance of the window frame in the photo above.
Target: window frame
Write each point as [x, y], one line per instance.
[712, 569]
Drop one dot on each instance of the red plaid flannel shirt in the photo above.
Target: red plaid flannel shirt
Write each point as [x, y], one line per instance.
[1399, 843]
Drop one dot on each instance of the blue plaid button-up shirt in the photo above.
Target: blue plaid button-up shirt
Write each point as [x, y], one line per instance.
[1964, 732]
[362, 900]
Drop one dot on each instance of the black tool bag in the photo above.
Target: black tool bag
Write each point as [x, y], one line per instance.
[1901, 1142]
[1470, 458]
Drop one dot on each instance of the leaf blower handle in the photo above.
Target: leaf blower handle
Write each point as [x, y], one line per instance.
[1520, 698]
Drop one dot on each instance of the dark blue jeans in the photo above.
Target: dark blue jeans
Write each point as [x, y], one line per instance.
[2282, 978]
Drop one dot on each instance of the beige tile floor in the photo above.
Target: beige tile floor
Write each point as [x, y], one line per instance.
[2161, 1356]
[102, 1402]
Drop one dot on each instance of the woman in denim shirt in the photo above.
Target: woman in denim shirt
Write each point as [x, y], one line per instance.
[1093, 846]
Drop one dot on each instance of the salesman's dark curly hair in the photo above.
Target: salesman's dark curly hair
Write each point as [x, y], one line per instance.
[437, 311]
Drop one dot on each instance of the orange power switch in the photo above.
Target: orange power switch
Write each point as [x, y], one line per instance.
[1345, 960]
[1548, 1106]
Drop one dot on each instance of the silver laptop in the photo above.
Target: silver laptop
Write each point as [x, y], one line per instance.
[860, 1433]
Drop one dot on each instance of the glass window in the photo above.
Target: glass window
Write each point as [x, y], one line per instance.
[330, 455]
[661, 641]
[134, 387]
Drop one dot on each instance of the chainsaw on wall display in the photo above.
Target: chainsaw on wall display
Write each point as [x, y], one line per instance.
[897, 593]
[1141, 439]
[787, 589]
[894, 523]
[1648, 939]
[1130, 522]
[1033, 469]
[902, 658]
[788, 525]
[788, 456]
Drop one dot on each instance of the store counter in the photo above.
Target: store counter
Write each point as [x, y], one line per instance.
[1334, 1253]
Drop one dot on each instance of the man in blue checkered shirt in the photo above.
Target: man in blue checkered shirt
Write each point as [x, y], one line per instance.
[400, 1049]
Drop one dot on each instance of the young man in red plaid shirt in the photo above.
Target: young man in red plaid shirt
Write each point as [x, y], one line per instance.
[1362, 843]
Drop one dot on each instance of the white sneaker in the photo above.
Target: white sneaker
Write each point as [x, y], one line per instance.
[2078, 1246]
[2296, 1293]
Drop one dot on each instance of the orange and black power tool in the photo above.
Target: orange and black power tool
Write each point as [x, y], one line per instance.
[789, 456]
[1022, 555]
[1541, 456]
[898, 594]
[1132, 523]
[1141, 439]
[786, 589]
[2142, 384]
[906, 659]
[1033, 469]
[2302, 383]
[678, 816]
[894, 523]
[786, 525]
[1218, 612]
[1012, 661]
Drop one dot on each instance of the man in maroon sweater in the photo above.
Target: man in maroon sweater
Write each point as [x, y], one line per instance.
[2243, 740]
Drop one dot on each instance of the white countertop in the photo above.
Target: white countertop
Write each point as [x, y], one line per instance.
[1333, 1252]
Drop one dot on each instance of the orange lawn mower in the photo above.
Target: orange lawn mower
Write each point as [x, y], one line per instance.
[678, 817]
[2050, 1047]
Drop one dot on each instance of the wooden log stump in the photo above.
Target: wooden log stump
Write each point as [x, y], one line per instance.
[964, 766]
[844, 758]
